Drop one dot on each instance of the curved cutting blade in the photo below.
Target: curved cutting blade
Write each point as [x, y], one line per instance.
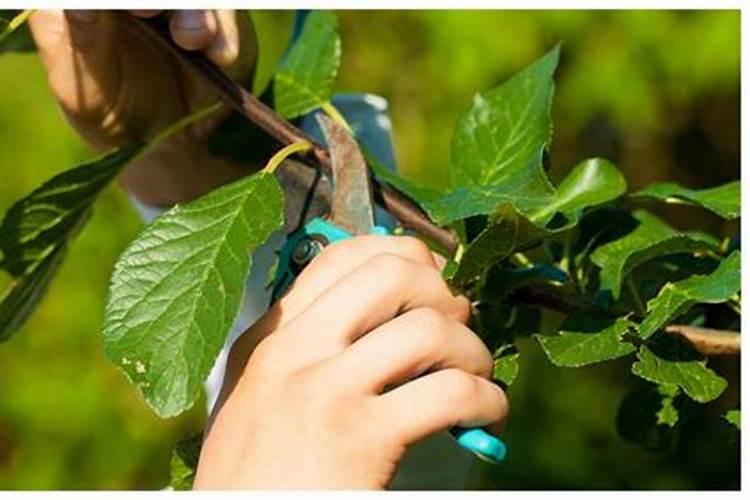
[352, 200]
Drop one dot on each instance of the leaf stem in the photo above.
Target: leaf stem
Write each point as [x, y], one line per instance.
[640, 306]
[335, 115]
[521, 259]
[181, 124]
[284, 153]
[734, 304]
[15, 23]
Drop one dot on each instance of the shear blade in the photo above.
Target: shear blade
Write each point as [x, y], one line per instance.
[352, 200]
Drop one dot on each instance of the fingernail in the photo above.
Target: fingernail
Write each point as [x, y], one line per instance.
[190, 20]
[83, 16]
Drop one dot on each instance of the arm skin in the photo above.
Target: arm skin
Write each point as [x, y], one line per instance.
[366, 354]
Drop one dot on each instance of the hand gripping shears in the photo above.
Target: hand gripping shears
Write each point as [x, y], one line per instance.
[352, 213]
[351, 205]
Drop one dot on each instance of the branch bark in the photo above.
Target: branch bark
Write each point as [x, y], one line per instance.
[707, 340]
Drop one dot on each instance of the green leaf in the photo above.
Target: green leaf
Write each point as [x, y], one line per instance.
[668, 414]
[48, 217]
[722, 200]
[676, 298]
[497, 150]
[638, 417]
[591, 182]
[673, 363]
[177, 288]
[37, 229]
[26, 291]
[501, 280]
[651, 238]
[733, 417]
[304, 79]
[501, 136]
[184, 462]
[505, 364]
[587, 339]
[507, 232]
[497, 158]
[14, 32]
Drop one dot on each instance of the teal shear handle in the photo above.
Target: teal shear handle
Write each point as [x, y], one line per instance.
[300, 248]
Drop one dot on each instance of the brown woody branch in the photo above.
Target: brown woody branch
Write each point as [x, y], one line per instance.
[707, 340]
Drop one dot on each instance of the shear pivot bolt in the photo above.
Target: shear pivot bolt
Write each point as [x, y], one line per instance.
[306, 250]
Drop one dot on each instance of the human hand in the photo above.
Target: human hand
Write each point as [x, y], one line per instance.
[365, 355]
[116, 85]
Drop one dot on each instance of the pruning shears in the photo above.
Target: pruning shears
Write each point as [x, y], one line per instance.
[352, 213]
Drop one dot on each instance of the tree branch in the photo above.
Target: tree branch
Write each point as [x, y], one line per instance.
[707, 340]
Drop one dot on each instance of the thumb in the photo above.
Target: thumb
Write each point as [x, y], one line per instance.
[77, 50]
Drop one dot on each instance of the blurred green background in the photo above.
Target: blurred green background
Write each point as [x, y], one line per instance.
[656, 91]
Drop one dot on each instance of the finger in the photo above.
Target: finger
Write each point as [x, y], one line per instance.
[145, 14]
[377, 291]
[234, 47]
[439, 401]
[333, 263]
[76, 48]
[336, 261]
[420, 340]
[341, 258]
[193, 29]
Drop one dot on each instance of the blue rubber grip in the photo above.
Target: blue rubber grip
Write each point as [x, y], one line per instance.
[474, 439]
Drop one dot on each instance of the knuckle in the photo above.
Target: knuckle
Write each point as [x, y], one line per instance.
[460, 387]
[462, 312]
[426, 328]
[416, 249]
[265, 356]
[333, 252]
[390, 266]
[343, 252]
[487, 364]
[430, 318]
[429, 326]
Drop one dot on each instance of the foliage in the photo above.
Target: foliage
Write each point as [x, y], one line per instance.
[722, 200]
[585, 340]
[14, 33]
[177, 289]
[733, 417]
[516, 228]
[304, 79]
[184, 462]
[37, 229]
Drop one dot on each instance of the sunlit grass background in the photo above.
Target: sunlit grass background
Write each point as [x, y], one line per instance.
[655, 91]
